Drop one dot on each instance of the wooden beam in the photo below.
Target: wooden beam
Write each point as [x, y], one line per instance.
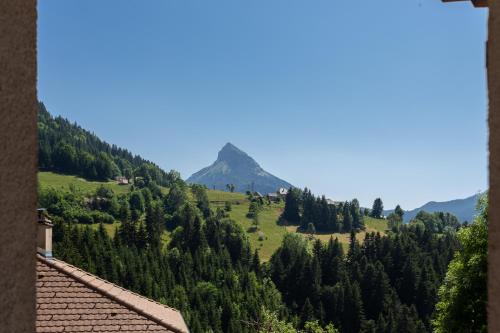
[493, 65]
[480, 3]
[476, 3]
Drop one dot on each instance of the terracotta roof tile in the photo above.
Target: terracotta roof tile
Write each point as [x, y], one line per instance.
[79, 328]
[49, 329]
[72, 300]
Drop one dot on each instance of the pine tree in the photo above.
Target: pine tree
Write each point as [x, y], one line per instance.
[463, 295]
[347, 218]
[399, 211]
[154, 223]
[357, 218]
[291, 211]
[307, 313]
[256, 263]
[377, 209]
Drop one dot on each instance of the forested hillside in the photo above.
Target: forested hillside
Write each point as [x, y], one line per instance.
[313, 213]
[387, 284]
[66, 147]
[207, 268]
[171, 242]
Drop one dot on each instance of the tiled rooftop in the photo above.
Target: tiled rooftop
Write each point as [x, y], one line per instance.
[72, 300]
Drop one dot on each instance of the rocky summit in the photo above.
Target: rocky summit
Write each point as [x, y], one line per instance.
[234, 166]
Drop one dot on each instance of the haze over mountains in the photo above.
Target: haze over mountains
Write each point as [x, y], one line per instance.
[463, 209]
[62, 144]
[234, 166]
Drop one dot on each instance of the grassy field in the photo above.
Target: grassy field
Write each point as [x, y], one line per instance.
[272, 232]
[219, 197]
[110, 228]
[269, 231]
[46, 179]
[372, 225]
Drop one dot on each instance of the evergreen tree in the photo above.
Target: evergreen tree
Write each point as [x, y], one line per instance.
[377, 209]
[307, 313]
[463, 295]
[291, 211]
[137, 202]
[200, 194]
[399, 211]
[154, 223]
[357, 218]
[175, 198]
[347, 220]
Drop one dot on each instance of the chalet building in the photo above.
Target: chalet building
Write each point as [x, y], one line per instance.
[333, 202]
[69, 299]
[121, 180]
[273, 197]
[94, 201]
[258, 195]
[282, 192]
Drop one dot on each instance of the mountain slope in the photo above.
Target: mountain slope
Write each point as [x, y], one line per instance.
[233, 166]
[66, 147]
[463, 209]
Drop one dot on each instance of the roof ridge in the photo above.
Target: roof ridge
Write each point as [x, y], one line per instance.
[114, 291]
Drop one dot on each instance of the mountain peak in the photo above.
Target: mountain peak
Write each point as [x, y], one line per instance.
[229, 148]
[229, 145]
[234, 166]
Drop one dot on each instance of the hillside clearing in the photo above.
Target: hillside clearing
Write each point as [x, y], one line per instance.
[267, 239]
[46, 179]
[372, 225]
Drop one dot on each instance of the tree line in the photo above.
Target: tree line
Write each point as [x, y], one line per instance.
[68, 148]
[313, 213]
[385, 284]
[208, 271]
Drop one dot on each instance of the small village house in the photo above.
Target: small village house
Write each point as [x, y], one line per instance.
[273, 197]
[258, 195]
[282, 192]
[121, 180]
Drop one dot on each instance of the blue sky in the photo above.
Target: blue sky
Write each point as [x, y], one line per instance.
[357, 99]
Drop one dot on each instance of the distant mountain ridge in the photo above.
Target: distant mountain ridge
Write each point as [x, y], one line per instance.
[463, 209]
[234, 166]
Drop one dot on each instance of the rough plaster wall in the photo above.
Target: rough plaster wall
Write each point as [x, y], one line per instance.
[494, 147]
[17, 165]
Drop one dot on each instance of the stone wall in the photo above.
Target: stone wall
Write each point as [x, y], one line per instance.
[18, 156]
[493, 65]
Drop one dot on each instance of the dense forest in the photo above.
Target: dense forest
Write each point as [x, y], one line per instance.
[313, 213]
[204, 265]
[385, 284]
[208, 271]
[67, 148]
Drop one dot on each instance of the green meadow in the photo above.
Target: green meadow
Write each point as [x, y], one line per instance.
[266, 239]
[56, 180]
